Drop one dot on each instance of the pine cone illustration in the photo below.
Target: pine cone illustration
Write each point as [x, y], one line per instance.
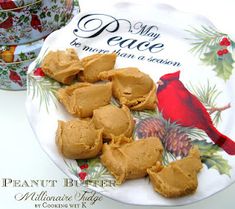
[150, 127]
[177, 142]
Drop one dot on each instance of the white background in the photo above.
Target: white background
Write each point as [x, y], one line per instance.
[22, 158]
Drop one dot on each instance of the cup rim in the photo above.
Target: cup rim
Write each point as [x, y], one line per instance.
[21, 7]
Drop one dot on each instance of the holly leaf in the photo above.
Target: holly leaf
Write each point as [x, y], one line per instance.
[42, 15]
[22, 56]
[76, 3]
[92, 162]
[3, 15]
[232, 44]
[26, 19]
[211, 57]
[63, 18]
[210, 157]
[21, 18]
[217, 162]
[4, 72]
[223, 65]
[224, 68]
[81, 162]
[49, 14]
[228, 58]
[206, 148]
[22, 73]
[56, 18]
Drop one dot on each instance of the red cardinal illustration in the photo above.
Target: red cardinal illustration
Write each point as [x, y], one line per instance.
[36, 23]
[6, 5]
[15, 78]
[177, 104]
[8, 23]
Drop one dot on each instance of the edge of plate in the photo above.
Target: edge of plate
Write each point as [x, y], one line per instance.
[31, 67]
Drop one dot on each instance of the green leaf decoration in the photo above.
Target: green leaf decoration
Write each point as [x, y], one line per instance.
[3, 15]
[233, 45]
[99, 171]
[92, 162]
[23, 73]
[206, 148]
[26, 19]
[56, 18]
[206, 43]
[81, 162]
[76, 3]
[21, 18]
[49, 14]
[211, 57]
[204, 38]
[4, 72]
[22, 56]
[167, 157]
[224, 67]
[208, 95]
[145, 114]
[211, 158]
[217, 162]
[42, 15]
[45, 88]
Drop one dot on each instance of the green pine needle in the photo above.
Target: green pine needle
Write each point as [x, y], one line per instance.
[45, 89]
[141, 115]
[208, 95]
[205, 43]
[204, 38]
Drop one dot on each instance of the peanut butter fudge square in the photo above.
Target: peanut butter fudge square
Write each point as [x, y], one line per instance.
[132, 88]
[81, 99]
[62, 66]
[131, 160]
[179, 178]
[78, 139]
[95, 64]
[114, 120]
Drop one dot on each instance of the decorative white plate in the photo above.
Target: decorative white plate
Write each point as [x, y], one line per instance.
[158, 40]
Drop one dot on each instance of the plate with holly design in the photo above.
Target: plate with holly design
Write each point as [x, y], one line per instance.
[195, 63]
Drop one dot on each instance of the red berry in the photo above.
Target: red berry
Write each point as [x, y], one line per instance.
[220, 53]
[225, 51]
[82, 175]
[221, 43]
[39, 72]
[84, 166]
[227, 43]
[225, 39]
